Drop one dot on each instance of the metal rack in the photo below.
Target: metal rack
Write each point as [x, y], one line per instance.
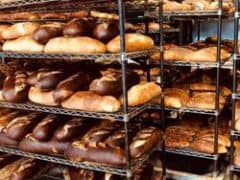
[85, 165]
[218, 64]
[117, 116]
[235, 95]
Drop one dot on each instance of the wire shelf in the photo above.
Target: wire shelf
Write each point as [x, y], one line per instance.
[189, 14]
[76, 57]
[117, 116]
[235, 168]
[184, 110]
[192, 153]
[235, 133]
[20, 3]
[136, 163]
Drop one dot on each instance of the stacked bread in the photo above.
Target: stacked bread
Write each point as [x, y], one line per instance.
[98, 91]
[75, 37]
[16, 168]
[146, 171]
[191, 133]
[202, 51]
[79, 139]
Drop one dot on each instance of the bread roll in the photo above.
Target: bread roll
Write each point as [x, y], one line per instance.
[134, 42]
[2, 29]
[76, 45]
[5, 119]
[69, 86]
[176, 54]
[20, 126]
[88, 101]
[15, 87]
[30, 144]
[47, 31]
[142, 93]
[7, 141]
[44, 98]
[45, 129]
[19, 29]
[7, 171]
[23, 44]
[173, 6]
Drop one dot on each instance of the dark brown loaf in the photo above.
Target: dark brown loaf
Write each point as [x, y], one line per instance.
[76, 28]
[100, 153]
[15, 87]
[144, 141]
[111, 82]
[21, 126]
[106, 31]
[32, 79]
[5, 119]
[26, 169]
[45, 129]
[46, 32]
[69, 86]
[72, 129]
[31, 144]
[7, 141]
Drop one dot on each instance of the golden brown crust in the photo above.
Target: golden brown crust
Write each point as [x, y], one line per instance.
[176, 98]
[134, 42]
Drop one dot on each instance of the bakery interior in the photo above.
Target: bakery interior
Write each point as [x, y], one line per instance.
[119, 90]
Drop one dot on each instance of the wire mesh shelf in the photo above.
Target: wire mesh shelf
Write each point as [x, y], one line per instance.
[235, 133]
[117, 116]
[136, 163]
[192, 153]
[77, 57]
[235, 168]
[184, 110]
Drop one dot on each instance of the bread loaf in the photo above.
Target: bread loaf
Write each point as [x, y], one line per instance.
[105, 32]
[76, 27]
[44, 98]
[144, 141]
[75, 45]
[20, 126]
[23, 44]
[45, 128]
[15, 87]
[142, 93]
[7, 141]
[5, 119]
[76, 127]
[134, 42]
[88, 101]
[47, 31]
[31, 144]
[7, 171]
[2, 29]
[69, 86]
[111, 82]
[175, 98]
[19, 29]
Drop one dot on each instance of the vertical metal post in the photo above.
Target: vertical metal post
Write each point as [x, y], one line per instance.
[122, 19]
[234, 90]
[198, 30]
[160, 13]
[218, 60]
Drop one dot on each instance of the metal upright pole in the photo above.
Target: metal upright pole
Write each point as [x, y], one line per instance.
[218, 60]
[234, 90]
[122, 19]
[160, 13]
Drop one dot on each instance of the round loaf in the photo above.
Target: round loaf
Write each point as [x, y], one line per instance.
[134, 42]
[76, 28]
[74, 45]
